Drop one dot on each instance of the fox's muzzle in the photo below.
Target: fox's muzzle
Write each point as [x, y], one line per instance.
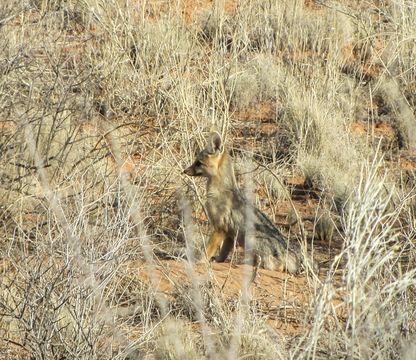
[190, 171]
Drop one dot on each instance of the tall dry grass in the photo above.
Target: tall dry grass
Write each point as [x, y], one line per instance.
[104, 103]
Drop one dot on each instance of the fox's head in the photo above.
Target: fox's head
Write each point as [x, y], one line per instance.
[209, 159]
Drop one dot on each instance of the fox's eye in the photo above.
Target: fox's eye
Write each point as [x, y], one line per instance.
[198, 163]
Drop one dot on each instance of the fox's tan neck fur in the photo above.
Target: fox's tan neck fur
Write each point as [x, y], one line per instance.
[224, 179]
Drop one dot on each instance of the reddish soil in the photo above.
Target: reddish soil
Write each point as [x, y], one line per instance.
[264, 111]
[378, 130]
[408, 163]
[191, 8]
[280, 296]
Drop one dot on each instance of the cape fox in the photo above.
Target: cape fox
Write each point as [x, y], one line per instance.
[233, 218]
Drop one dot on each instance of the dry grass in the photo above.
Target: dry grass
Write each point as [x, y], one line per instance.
[102, 106]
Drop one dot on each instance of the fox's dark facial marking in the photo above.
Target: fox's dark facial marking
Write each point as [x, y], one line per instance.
[196, 169]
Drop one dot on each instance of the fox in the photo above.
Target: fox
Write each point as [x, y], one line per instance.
[234, 219]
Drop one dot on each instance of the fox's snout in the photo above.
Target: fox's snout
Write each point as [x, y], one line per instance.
[190, 171]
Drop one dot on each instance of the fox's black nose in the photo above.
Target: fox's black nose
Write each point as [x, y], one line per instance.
[189, 171]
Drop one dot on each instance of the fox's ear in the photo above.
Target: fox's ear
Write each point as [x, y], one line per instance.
[215, 143]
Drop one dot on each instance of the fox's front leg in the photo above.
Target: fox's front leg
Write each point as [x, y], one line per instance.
[227, 246]
[215, 241]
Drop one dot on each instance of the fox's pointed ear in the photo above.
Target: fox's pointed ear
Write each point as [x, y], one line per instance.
[215, 144]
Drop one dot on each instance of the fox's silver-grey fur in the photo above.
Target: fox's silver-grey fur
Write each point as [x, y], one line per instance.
[234, 218]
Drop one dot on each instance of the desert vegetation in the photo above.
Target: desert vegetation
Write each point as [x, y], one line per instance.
[102, 106]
